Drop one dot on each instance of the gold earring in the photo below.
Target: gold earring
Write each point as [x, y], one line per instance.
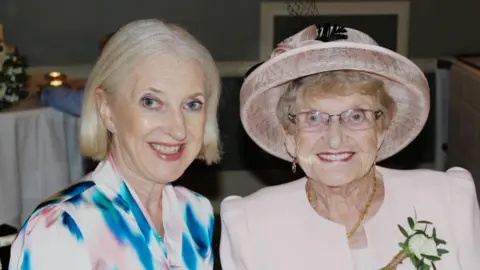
[294, 165]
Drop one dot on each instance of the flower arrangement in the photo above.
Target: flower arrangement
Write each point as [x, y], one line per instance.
[422, 246]
[13, 76]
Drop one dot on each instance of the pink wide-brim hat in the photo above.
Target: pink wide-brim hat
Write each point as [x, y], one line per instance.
[305, 54]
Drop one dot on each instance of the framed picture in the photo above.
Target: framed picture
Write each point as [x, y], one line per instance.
[385, 21]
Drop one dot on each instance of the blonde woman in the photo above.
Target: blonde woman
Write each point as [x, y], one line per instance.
[149, 111]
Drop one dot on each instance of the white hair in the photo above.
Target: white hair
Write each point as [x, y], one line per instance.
[132, 45]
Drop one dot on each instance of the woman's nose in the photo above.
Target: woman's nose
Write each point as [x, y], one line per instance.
[334, 135]
[175, 126]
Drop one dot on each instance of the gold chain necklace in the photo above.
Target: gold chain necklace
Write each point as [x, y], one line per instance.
[364, 212]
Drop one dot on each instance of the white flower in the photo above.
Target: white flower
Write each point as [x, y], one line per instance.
[17, 70]
[9, 71]
[424, 227]
[11, 98]
[420, 244]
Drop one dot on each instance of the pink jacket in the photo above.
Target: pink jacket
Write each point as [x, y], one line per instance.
[276, 228]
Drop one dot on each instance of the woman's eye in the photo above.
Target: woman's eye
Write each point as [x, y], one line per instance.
[150, 103]
[315, 117]
[194, 105]
[357, 116]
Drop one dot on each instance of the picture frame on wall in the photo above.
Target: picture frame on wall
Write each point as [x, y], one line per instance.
[386, 21]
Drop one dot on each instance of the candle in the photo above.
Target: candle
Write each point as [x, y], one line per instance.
[54, 74]
[56, 83]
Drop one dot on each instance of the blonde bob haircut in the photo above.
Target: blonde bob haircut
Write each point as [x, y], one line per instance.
[128, 48]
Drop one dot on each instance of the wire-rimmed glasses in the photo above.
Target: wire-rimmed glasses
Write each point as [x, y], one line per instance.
[353, 119]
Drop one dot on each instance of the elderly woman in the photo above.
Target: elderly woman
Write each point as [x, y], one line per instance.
[149, 111]
[333, 102]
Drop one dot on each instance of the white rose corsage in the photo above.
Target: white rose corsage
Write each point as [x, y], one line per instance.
[421, 246]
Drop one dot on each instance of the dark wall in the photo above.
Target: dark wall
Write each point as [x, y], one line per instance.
[58, 32]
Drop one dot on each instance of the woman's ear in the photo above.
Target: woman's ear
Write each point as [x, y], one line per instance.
[289, 142]
[380, 137]
[105, 109]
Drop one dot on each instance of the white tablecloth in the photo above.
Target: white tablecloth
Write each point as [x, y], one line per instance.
[38, 156]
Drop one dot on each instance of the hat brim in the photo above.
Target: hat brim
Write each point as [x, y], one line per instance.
[405, 83]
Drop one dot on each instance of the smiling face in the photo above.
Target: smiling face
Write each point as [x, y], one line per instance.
[157, 117]
[339, 155]
[340, 119]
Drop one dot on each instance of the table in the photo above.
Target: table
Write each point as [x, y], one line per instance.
[39, 155]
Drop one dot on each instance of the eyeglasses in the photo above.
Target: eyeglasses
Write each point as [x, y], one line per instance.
[354, 119]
